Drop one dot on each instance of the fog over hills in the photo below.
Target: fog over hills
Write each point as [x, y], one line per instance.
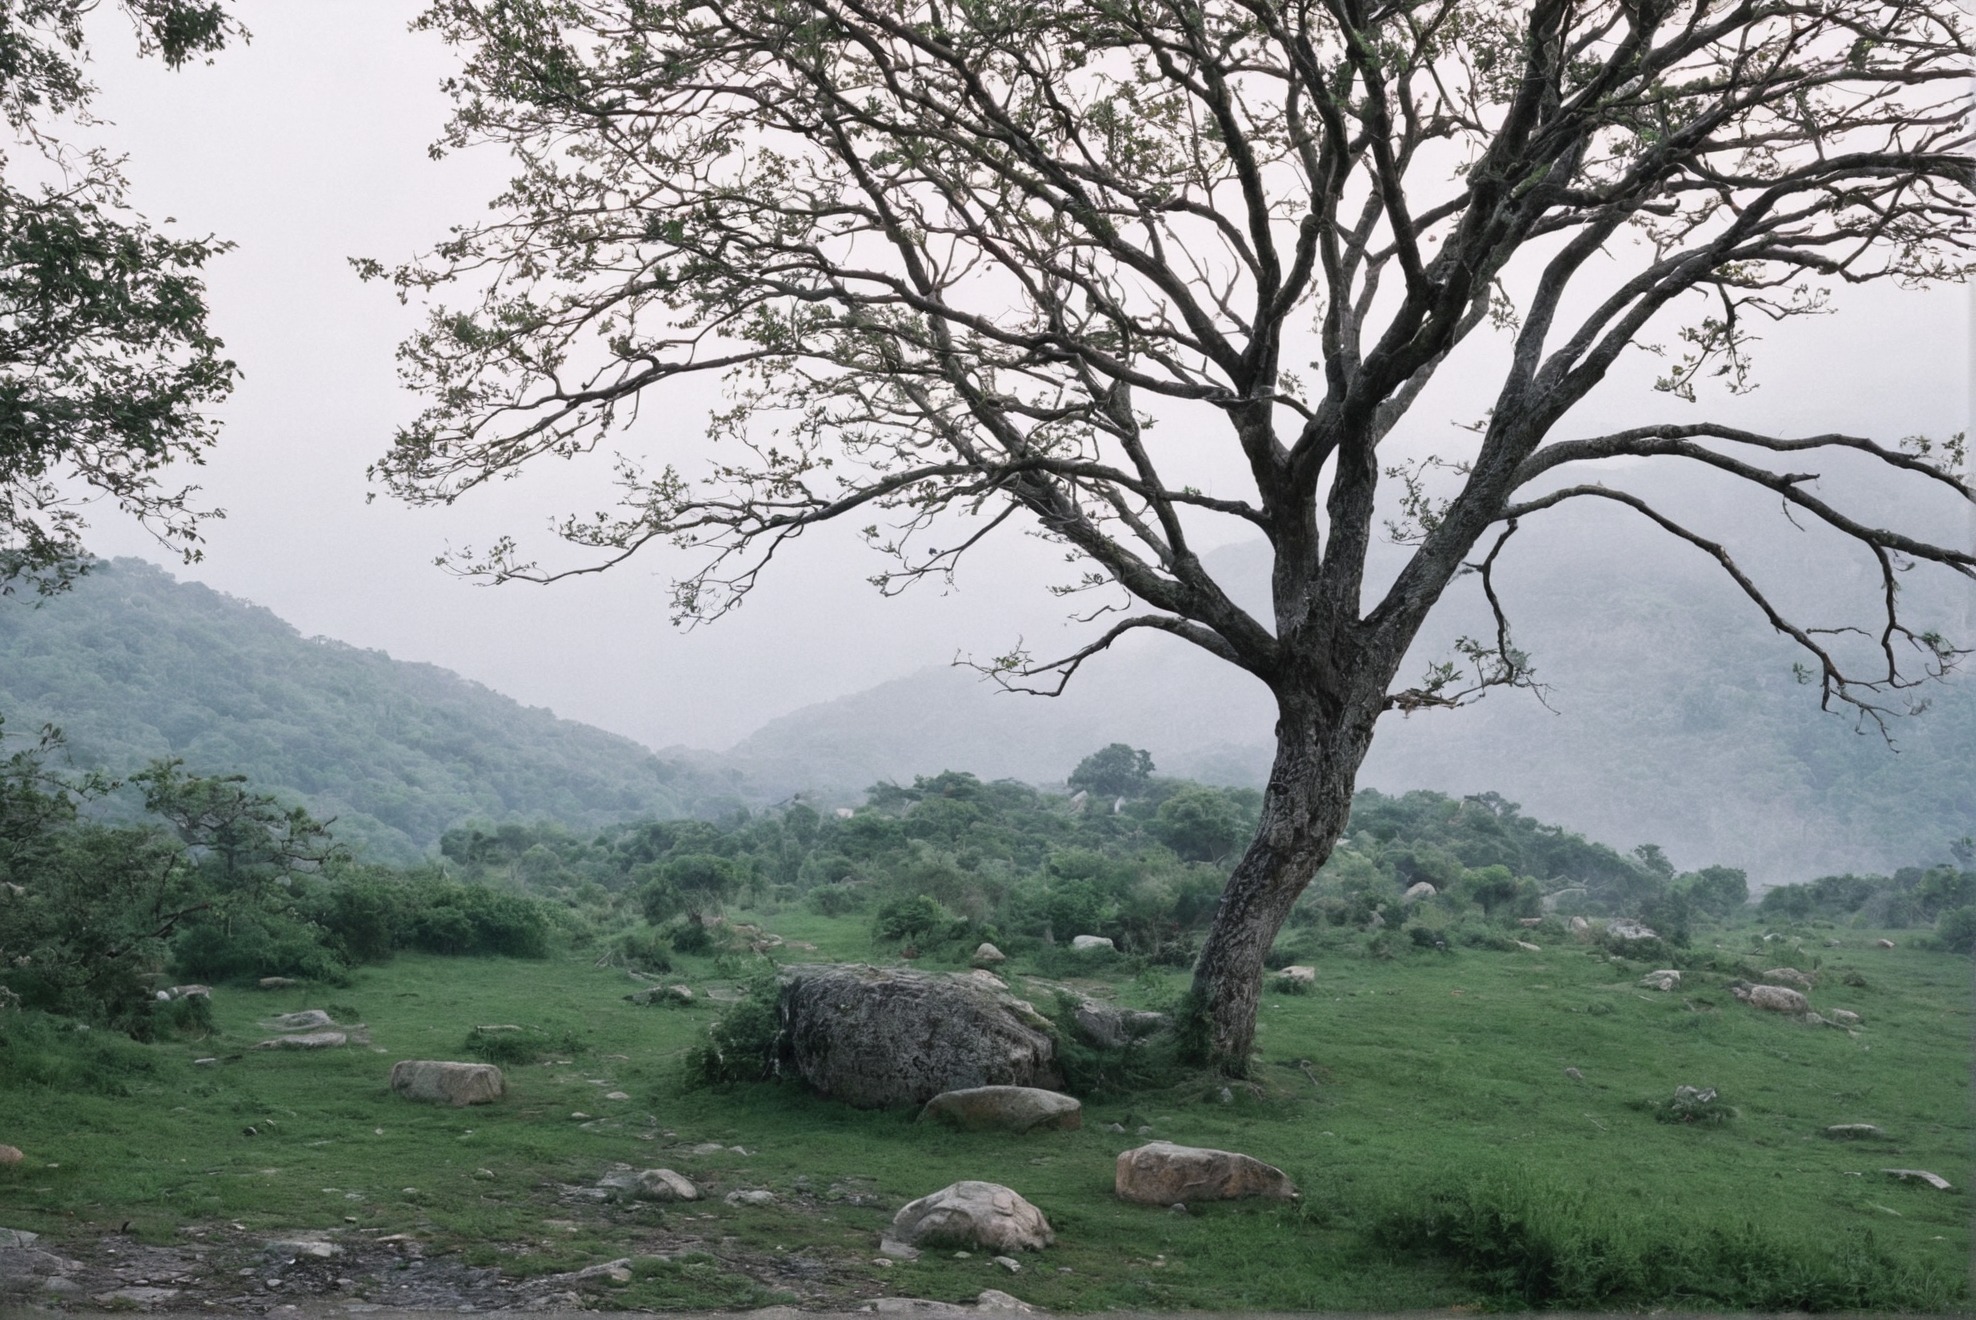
[1673, 714]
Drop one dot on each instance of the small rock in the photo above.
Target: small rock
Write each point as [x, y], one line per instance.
[883, 1262]
[1092, 944]
[309, 1019]
[993, 1299]
[1790, 976]
[1005, 1109]
[278, 983]
[205, 1063]
[1298, 975]
[1161, 1173]
[987, 955]
[1177, 1208]
[1844, 1017]
[754, 1197]
[616, 1095]
[1574, 1074]
[1883, 944]
[1526, 946]
[1529, 923]
[972, 1214]
[1145, 1130]
[1665, 979]
[1853, 1131]
[1115, 1127]
[578, 1115]
[707, 1148]
[898, 1250]
[143, 1298]
[313, 1248]
[18, 1238]
[189, 992]
[1774, 998]
[652, 1185]
[314, 1040]
[9, 1155]
[1418, 890]
[1109, 1027]
[1579, 926]
[1009, 1263]
[1934, 1180]
[1625, 928]
[613, 1271]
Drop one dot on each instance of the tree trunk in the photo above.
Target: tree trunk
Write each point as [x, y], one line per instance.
[1304, 810]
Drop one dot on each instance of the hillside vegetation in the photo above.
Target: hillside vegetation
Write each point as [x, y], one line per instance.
[133, 666]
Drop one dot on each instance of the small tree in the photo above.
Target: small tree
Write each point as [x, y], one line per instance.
[968, 265]
[1114, 772]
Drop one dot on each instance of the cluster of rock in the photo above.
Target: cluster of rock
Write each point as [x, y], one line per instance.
[1790, 1001]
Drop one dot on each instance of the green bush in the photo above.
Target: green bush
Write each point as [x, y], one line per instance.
[523, 1045]
[642, 950]
[1955, 930]
[742, 1045]
[834, 900]
[1525, 1245]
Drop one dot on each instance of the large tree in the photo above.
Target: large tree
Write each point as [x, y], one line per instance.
[107, 367]
[954, 259]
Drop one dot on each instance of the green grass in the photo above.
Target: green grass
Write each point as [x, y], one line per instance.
[1420, 1102]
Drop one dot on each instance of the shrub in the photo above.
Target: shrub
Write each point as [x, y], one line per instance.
[642, 950]
[742, 1045]
[1693, 1106]
[834, 900]
[1955, 930]
[1525, 1245]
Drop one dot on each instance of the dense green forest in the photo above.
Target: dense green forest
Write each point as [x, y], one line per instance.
[133, 666]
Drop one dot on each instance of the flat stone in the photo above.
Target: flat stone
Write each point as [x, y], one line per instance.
[660, 1185]
[756, 1196]
[994, 1299]
[1298, 975]
[1625, 928]
[314, 1248]
[1934, 1180]
[1092, 944]
[1109, 1027]
[142, 1297]
[1665, 979]
[1526, 946]
[309, 1019]
[1005, 1109]
[1853, 1131]
[314, 1040]
[1161, 1173]
[18, 1237]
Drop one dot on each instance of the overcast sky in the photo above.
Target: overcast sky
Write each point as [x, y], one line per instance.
[308, 146]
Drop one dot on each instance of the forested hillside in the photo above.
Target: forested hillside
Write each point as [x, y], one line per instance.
[134, 666]
[1670, 713]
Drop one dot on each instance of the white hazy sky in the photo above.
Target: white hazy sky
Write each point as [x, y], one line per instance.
[308, 146]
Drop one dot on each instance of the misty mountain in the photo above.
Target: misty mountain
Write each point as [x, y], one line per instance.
[134, 665]
[1670, 714]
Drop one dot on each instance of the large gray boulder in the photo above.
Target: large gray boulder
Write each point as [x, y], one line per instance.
[1161, 1173]
[447, 1083]
[874, 1037]
[1004, 1109]
[982, 1215]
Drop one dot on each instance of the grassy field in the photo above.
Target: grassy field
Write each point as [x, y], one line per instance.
[1421, 1103]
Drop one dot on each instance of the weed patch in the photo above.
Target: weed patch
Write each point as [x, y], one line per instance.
[1526, 1244]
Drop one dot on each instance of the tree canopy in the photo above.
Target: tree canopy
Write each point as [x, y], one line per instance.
[107, 366]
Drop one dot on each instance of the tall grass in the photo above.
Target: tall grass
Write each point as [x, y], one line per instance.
[1523, 1242]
